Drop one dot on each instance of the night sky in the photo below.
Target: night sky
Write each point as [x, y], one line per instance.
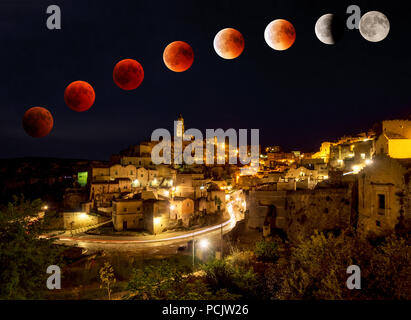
[297, 98]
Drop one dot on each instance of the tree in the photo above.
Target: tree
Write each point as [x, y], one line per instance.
[24, 257]
[107, 278]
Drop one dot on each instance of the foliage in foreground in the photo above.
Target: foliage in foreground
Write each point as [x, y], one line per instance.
[168, 281]
[266, 251]
[317, 269]
[107, 278]
[313, 269]
[24, 257]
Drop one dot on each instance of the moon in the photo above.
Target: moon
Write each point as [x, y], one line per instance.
[374, 26]
[229, 43]
[79, 96]
[279, 34]
[329, 29]
[37, 122]
[178, 56]
[128, 74]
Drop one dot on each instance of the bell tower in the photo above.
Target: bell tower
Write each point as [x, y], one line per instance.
[180, 127]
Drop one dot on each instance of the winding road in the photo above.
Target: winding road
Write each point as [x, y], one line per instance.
[166, 242]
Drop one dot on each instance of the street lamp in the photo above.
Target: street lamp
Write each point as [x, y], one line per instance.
[204, 244]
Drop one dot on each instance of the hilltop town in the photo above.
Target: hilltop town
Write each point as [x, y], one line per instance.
[359, 182]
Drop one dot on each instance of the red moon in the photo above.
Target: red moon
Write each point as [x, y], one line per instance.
[37, 122]
[178, 56]
[128, 74]
[229, 43]
[79, 96]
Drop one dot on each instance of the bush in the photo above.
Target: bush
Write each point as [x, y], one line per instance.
[236, 279]
[168, 281]
[267, 251]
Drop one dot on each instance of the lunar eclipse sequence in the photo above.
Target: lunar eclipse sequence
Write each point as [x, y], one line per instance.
[178, 56]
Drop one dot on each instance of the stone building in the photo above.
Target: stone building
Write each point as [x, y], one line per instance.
[100, 173]
[119, 171]
[181, 209]
[115, 186]
[128, 214]
[383, 195]
[144, 161]
[156, 215]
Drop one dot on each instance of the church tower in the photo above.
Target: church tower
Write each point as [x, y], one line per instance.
[180, 127]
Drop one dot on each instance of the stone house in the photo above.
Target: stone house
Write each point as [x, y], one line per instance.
[144, 161]
[181, 209]
[115, 186]
[156, 215]
[119, 171]
[383, 195]
[395, 140]
[100, 173]
[128, 214]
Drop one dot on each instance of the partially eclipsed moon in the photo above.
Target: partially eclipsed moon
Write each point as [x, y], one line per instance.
[374, 26]
[329, 28]
[279, 34]
[229, 43]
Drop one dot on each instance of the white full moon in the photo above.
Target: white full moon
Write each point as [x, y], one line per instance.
[374, 26]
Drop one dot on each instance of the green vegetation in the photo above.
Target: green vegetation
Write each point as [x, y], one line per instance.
[107, 278]
[266, 250]
[314, 268]
[170, 281]
[24, 257]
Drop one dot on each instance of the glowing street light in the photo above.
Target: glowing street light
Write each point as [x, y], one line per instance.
[204, 243]
[83, 215]
[45, 207]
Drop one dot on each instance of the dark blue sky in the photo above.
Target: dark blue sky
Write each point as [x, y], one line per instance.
[297, 98]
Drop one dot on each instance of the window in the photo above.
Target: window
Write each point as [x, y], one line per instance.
[381, 201]
[378, 223]
[124, 209]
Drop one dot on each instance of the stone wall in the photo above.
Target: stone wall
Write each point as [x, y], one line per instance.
[320, 209]
[300, 212]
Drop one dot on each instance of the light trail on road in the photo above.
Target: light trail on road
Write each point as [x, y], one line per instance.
[231, 223]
